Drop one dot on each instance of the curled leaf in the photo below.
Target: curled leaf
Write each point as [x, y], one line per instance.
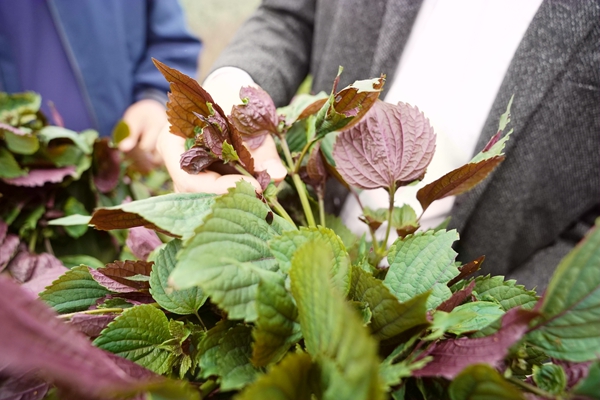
[39, 177]
[256, 117]
[196, 160]
[390, 147]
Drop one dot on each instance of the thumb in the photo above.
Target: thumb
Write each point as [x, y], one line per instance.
[267, 159]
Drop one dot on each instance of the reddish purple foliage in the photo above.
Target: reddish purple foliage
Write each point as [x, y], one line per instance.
[196, 160]
[263, 178]
[256, 118]
[391, 146]
[22, 265]
[47, 269]
[457, 298]
[451, 356]
[32, 338]
[8, 246]
[110, 283]
[91, 325]
[141, 241]
[26, 386]
[39, 177]
[574, 371]
[107, 168]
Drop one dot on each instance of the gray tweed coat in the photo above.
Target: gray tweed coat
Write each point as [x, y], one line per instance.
[540, 202]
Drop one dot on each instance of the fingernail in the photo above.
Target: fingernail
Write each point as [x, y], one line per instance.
[275, 168]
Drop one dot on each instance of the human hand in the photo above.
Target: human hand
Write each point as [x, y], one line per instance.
[171, 146]
[145, 118]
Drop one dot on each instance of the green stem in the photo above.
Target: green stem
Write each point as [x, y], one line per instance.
[281, 211]
[208, 387]
[390, 213]
[33, 241]
[242, 170]
[321, 210]
[200, 319]
[301, 157]
[533, 389]
[91, 312]
[374, 242]
[301, 188]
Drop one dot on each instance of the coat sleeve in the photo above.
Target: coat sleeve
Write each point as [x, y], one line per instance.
[274, 46]
[168, 41]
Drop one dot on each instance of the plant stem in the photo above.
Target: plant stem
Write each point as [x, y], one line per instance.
[300, 187]
[200, 319]
[91, 312]
[390, 213]
[207, 387]
[281, 211]
[321, 209]
[374, 242]
[33, 241]
[301, 157]
[533, 389]
[242, 170]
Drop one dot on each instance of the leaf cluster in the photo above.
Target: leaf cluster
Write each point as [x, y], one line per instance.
[251, 299]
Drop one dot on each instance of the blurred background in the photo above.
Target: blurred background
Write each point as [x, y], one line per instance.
[215, 23]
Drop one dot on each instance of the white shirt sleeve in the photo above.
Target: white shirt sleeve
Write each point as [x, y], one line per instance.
[224, 86]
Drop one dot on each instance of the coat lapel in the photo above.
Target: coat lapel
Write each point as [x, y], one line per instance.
[397, 22]
[539, 60]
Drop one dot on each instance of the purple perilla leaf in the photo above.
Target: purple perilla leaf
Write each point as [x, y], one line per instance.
[39, 177]
[107, 162]
[8, 245]
[22, 265]
[25, 386]
[256, 117]
[390, 147]
[91, 325]
[457, 298]
[196, 160]
[451, 356]
[47, 269]
[141, 241]
[32, 338]
[114, 276]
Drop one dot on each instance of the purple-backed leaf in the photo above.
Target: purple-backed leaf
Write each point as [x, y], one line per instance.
[316, 169]
[32, 338]
[196, 160]
[21, 267]
[141, 241]
[256, 117]
[245, 157]
[23, 386]
[453, 355]
[47, 269]
[8, 248]
[467, 269]
[457, 181]
[457, 298]
[575, 371]
[215, 131]
[187, 100]
[120, 271]
[390, 147]
[263, 178]
[107, 168]
[91, 325]
[39, 177]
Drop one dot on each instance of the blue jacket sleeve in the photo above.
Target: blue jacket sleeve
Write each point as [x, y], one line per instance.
[169, 41]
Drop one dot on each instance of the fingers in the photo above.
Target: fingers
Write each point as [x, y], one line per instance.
[267, 159]
[145, 119]
[171, 147]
